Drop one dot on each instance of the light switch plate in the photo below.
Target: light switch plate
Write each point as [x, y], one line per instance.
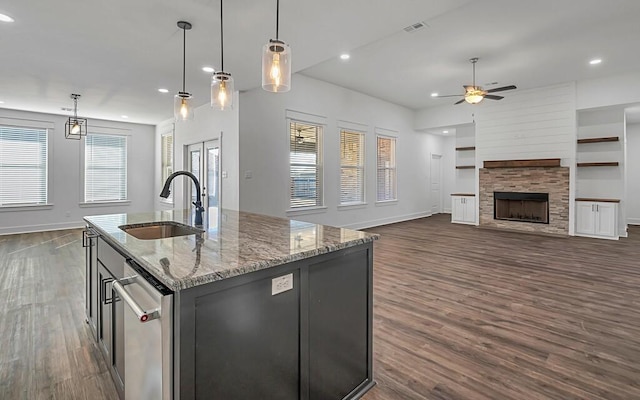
[281, 284]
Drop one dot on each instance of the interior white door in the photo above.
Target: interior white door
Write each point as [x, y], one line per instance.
[203, 160]
[436, 183]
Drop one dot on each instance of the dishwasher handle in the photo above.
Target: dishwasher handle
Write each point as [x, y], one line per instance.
[141, 314]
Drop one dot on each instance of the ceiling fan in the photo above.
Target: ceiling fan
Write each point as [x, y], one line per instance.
[475, 94]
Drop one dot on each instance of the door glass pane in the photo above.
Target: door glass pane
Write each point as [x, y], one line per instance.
[195, 169]
[213, 185]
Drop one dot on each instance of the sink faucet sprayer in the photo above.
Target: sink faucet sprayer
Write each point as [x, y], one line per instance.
[198, 203]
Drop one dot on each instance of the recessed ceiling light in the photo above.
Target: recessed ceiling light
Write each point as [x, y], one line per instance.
[125, 116]
[434, 94]
[445, 131]
[5, 18]
[595, 61]
[163, 90]
[208, 69]
[345, 56]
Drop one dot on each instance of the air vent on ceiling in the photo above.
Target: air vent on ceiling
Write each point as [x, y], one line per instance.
[66, 109]
[414, 27]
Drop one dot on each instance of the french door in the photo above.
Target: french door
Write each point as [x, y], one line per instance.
[203, 160]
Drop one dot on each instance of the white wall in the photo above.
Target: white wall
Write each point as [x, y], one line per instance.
[65, 188]
[208, 124]
[264, 153]
[448, 170]
[535, 123]
[465, 179]
[608, 91]
[633, 174]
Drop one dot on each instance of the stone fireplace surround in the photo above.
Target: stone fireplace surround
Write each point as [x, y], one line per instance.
[552, 180]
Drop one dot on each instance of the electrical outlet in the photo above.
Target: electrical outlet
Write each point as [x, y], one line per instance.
[248, 174]
[281, 284]
[68, 214]
[224, 174]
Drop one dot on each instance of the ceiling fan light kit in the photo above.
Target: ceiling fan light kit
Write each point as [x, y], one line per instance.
[182, 107]
[475, 94]
[221, 81]
[75, 128]
[276, 62]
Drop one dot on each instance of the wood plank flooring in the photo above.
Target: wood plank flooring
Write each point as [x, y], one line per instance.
[45, 348]
[468, 313]
[459, 313]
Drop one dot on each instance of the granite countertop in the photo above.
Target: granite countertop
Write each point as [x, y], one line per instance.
[232, 243]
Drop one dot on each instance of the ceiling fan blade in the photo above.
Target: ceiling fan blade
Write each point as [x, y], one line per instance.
[493, 97]
[458, 102]
[502, 89]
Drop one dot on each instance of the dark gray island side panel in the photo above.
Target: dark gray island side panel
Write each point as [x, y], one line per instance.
[237, 341]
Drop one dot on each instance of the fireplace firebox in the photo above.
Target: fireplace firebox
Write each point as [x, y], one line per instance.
[522, 207]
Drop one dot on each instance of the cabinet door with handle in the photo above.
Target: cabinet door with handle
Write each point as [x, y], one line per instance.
[585, 222]
[605, 219]
[104, 310]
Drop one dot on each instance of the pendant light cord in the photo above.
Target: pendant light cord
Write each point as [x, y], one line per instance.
[221, 38]
[184, 56]
[75, 108]
[277, 17]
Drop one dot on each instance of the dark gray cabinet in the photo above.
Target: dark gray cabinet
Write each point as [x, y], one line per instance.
[111, 311]
[247, 343]
[89, 242]
[338, 301]
[239, 341]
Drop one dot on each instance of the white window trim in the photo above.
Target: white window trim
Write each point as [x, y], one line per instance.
[311, 120]
[362, 129]
[170, 201]
[101, 130]
[50, 128]
[89, 204]
[380, 134]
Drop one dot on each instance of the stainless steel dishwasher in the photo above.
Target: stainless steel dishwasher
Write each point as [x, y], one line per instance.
[148, 334]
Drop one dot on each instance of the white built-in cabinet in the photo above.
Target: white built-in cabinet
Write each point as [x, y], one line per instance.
[463, 209]
[597, 219]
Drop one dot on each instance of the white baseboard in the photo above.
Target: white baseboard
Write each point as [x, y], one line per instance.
[12, 230]
[633, 221]
[446, 211]
[385, 221]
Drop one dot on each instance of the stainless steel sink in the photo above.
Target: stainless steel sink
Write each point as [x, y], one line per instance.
[159, 230]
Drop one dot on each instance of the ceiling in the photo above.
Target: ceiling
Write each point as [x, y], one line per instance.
[116, 54]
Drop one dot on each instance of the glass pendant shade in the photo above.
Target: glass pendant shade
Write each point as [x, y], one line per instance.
[222, 91]
[474, 96]
[276, 66]
[182, 106]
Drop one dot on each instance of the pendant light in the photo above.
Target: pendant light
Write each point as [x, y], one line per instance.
[75, 128]
[221, 82]
[276, 62]
[182, 107]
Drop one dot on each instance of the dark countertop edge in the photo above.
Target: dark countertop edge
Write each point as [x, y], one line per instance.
[245, 269]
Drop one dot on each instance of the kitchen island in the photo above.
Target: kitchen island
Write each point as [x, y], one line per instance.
[262, 307]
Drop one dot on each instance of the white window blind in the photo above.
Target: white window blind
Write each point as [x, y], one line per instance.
[166, 159]
[305, 164]
[105, 168]
[23, 166]
[386, 168]
[351, 167]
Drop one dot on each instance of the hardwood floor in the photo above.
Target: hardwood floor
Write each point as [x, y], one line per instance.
[468, 313]
[460, 313]
[45, 348]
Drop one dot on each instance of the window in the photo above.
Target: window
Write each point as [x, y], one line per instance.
[386, 168]
[166, 159]
[105, 168]
[305, 164]
[23, 166]
[351, 167]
